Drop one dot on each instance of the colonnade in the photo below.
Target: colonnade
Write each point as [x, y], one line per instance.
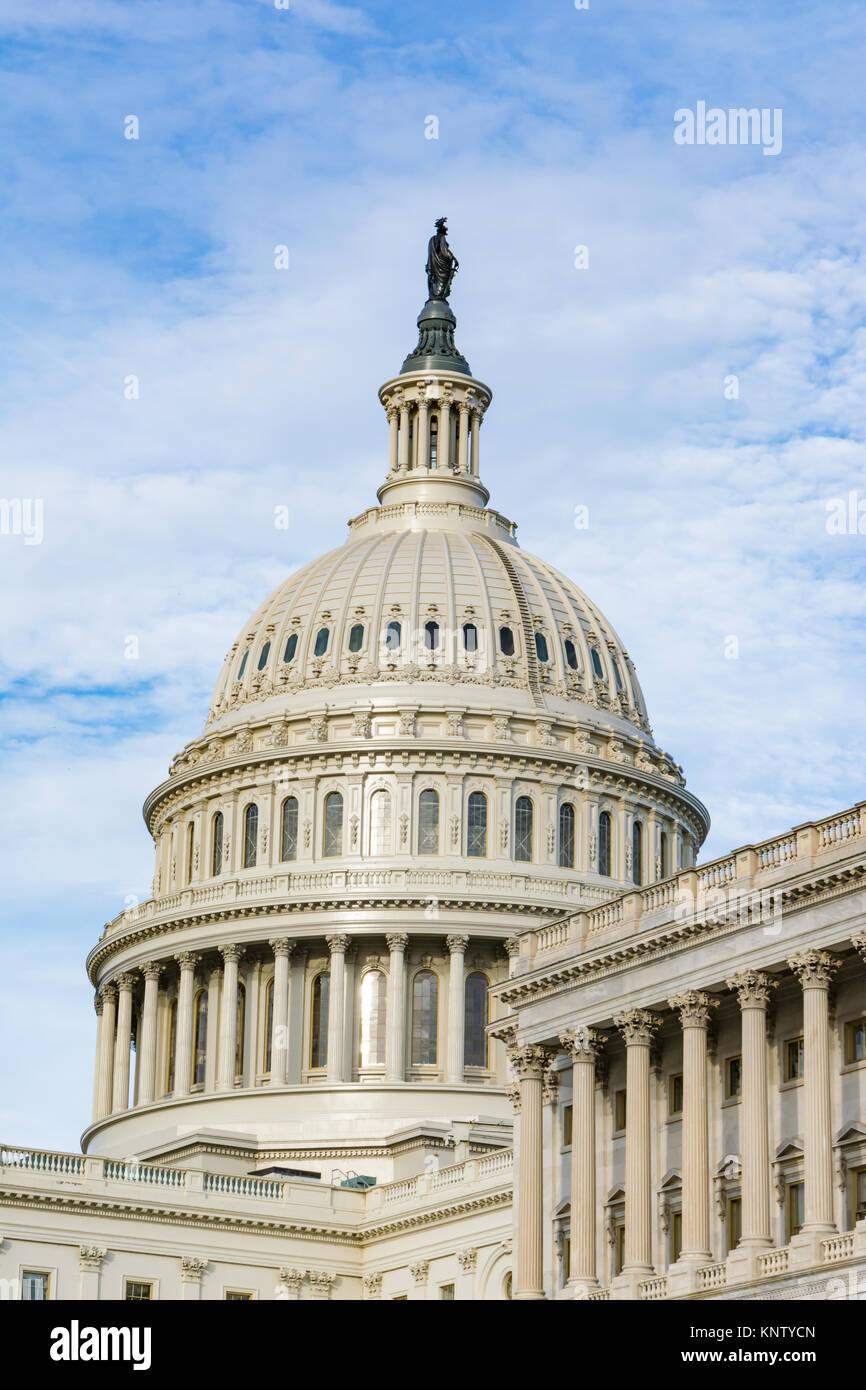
[403, 459]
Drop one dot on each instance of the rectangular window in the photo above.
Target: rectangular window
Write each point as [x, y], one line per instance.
[855, 1041]
[35, 1286]
[567, 1120]
[619, 1250]
[675, 1094]
[446, 1291]
[735, 1222]
[237, 1295]
[859, 1179]
[676, 1235]
[138, 1291]
[794, 1059]
[795, 1208]
[733, 1077]
[619, 1110]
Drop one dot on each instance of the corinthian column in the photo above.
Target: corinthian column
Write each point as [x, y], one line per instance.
[183, 1028]
[394, 424]
[814, 970]
[463, 439]
[422, 421]
[147, 1043]
[120, 1093]
[637, 1027]
[105, 1067]
[456, 1007]
[282, 949]
[229, 1020]
[99, 1005]
[395, 1025]
[339, 945]
[694, 1008]
[530, 1064]
[403, 450]
[583, 1046]
[753, 991]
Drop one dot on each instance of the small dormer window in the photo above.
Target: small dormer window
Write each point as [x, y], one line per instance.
[470, 637]
[356, 637]
[570, 653]
[596, 663]
[541, 646]
[393, 637]
[243, 665]
[291, 647]
[321, 642]
[431, 636]
[506, 641]
[263, 656]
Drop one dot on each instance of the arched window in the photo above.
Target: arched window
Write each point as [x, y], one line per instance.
[373, 995]
[475, 1014]
[172, 1044]
[637, 852]
[356, 637]
[269, 1023]
[476, 826]
[571, 653]
[566, 835]
[596, 663]
[541, 646]
[506, 641]
[319, 1021]
[616, 675]
[243, 665]
[289, 828]
[431, 636]
[523, 829]
[664, 865]
[508, 1285]
[428, 822]
[190, 850]
[216, 852]
[434, 442]
[242, 1018]
[393, 636]
[604, 844]
[425, 1019]
[321, 642]
[470, 637]
[263, 656]
[332, 843]
[291, 647]
[251, 835]
[380, 823]
[199, 1038]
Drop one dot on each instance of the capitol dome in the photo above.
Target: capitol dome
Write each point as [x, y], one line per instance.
[420, 744]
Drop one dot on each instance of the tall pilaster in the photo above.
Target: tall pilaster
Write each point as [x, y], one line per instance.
[693, 1007]
[583, 1046]
[108, 994]
[530, 1064]
[187, 962]
[282, 949]
[120, 1088]
[456, 1007]
[395, 1026]
[815, 969]
[147, 1043]
[229, 1018]
[99, 1006]
[638, 1027]
[339, 945]
[753, 991]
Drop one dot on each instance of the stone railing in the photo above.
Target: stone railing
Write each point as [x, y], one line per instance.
[838, 1247]
[497, 1165]
[744, 886]
[653, 1288]
[42, 1161]
[774, 1262]
[712, 1276]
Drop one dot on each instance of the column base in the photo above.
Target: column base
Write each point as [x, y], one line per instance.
[625, 1285]
[741, 1266]
[580, 1288]
[530, 1296]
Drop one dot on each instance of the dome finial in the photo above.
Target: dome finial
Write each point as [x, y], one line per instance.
[436, 322]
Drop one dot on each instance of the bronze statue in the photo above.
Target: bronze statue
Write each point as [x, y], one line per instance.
[442, 264]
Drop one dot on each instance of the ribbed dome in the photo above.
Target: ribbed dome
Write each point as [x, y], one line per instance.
[438, 593]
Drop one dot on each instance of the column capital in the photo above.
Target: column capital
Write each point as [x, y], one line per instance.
[187, 960]
[397, 940]
[108, 993]
[858, 941]
[231, 952]
[456, 944]
[814, 969]
[752, 988]
[419, 1271]
[90, 1257]
[192, 1267]
[321, 1281]
[512, 1094]
[291, 1279]
[281, 946]
[152, 969]
[637, 1026]
[511, 947]
[467, 1259]
[694, 1007]
[531, 1061]
[339, 943]
[98, 1002]
[582, 1044]
[125, 980]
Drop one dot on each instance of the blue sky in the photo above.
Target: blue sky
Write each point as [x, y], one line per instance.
[306, 127]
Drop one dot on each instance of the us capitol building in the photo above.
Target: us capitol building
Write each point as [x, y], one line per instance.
[432, 998]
